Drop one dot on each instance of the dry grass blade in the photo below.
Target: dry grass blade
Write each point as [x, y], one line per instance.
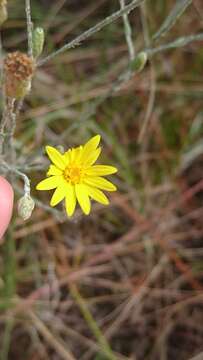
[63, 352]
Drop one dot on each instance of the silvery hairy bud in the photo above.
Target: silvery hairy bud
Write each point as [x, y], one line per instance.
[25, 207]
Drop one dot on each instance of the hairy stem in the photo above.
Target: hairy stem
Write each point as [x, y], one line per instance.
[29, 26]
[77, 41]
[128, 33]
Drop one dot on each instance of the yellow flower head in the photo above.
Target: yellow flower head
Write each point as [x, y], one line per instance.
[74, 176]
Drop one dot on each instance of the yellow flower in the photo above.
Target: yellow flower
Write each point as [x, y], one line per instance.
[74, 177]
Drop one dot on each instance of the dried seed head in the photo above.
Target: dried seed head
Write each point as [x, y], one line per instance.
[19, 65]
[18, 72]
[3, 11]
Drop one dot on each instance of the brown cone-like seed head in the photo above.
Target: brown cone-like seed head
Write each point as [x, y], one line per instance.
[18, 72]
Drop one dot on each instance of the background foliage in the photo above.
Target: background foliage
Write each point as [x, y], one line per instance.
[125, 282]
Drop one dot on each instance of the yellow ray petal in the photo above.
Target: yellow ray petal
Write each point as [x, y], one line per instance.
[83, 197]
[92, 143]
[91, 157]
[70, 201]
[97, 195]
[76, 154]
[99, 182]
[49, 183]
[90, 146]
[53, 170]
[100, 170]
[56, 157]
[58, 195]
[67, 156]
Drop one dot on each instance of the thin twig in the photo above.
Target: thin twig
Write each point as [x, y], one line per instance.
[84, 36]
[179, 42]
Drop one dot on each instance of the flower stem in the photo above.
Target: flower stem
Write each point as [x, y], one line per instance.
[29, 26]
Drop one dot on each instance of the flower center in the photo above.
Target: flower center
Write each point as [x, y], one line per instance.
[72, 174]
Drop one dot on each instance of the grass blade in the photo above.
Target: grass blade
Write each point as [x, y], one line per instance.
[178, 9]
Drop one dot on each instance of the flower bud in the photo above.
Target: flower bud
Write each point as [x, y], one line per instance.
[25, 207]
[38, 41]
[3, 11]
[18, 73]
[139, 62]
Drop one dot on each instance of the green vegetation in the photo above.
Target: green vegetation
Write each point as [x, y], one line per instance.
[126, 281]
